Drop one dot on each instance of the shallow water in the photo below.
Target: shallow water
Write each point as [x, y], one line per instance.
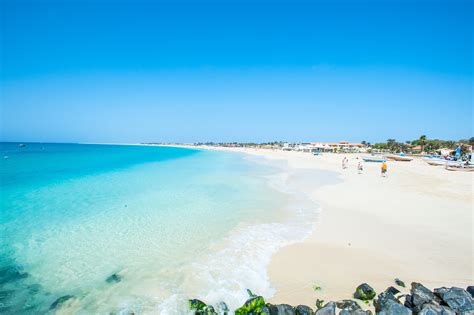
[172, 223]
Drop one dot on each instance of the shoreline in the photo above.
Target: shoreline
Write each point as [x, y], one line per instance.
[415, 225]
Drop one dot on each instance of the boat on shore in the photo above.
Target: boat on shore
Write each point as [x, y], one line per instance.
[374, 159]
[461, 168]
[399, 157]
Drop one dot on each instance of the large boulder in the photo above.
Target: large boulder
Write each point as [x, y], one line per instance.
[348, 305]
[430, 309]
[364, 292]
[355, 312]
[420, 296]
[458, 299]
[252, 305]
[390, 307]
[281, 309]
[470, 289]
[303, 310]
[328, 309]
[384, 299]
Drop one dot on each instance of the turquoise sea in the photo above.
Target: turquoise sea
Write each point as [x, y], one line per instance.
[170, 223]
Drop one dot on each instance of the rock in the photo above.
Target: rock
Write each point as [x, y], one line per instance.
[11, 274]
[392, 290]
[222, 308]
[60, 301]
[115, 278]
[430, 309]
[281, 309]
[384, 299]
[265, 311]
[304, 310]
[439, 292]
[252, 305]
[420, 295]
[391, 307]
[348, 305]
[399, 282]
[356, 312]
[207, 310]
[470, 289]
[328, 309]
[196, 304]
[459, 300]
[364, 292]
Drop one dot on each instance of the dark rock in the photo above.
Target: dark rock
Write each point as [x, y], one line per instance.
[11, 274]
[356, 312]
[60, 301]
[304, 310]
[430, 309]
[470, 289]
[399, 282]
[265, 311]
[364, 292]
[252, 305]
[384, 299]
[420, 295]
[348, 305]
[392, 290]
[328, 309]
[281, 309]
[115, 278]
[196, 304]
[391, 307]
[459, 300]
[207, 310]
[222, 308]
[439, 292]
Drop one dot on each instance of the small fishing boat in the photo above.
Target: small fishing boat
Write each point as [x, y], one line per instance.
[441, 162]
[22, 145]
[399, 157]
[374, 159]
[461, 168]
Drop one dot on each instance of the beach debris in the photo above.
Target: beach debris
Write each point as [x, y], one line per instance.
[317, 288]
[364, 292]
[115, 278]
[60, 301]
[328, 309]
[303, 310]
[470, 289]
[399, 282]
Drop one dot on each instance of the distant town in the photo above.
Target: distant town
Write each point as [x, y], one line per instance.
[423, 145]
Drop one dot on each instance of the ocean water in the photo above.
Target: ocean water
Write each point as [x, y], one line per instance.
[172, 223]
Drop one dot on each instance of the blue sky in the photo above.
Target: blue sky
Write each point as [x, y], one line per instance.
[186, 71]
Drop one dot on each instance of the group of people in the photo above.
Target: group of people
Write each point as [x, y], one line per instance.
[360, 166]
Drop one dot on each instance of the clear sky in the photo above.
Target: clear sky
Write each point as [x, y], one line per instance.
[187, 71]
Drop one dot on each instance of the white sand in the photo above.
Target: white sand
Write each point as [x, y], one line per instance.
[416, 224]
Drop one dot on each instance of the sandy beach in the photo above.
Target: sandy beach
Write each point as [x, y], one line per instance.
[415, 224]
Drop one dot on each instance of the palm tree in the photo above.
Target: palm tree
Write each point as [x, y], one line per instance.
[422, 142]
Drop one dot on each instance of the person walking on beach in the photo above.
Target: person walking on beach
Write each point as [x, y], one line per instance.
[360, 168]
[344, 163]
[384, 169]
